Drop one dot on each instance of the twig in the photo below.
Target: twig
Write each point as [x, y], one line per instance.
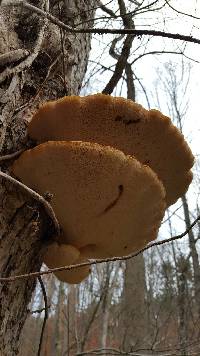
[121, 63]
[45, 314]
[11, 155]
[113, 351]
[62, 38]
[130, 82]
[40, 12]
[46, 78]
[38, 310]
[102, 31]
[37, 197]
[13, 56]
[143, 89]
[107, 10]
[123, 57]
[103, 260]
[157, 53]
[182, 13]
[29, 60]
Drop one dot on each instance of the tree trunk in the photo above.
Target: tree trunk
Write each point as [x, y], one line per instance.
[105, 307]
[182, 307]
[134, 310]
[58, 321]
[194, 255]
[37, 63]
[48, 342]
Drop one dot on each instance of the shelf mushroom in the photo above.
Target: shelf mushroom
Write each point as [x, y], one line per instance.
[107, 203]
[59, 255]
[147, 135]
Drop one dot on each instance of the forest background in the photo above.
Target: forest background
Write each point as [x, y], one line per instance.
[147, 305]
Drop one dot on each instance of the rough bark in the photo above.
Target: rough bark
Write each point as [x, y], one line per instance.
[33, 70]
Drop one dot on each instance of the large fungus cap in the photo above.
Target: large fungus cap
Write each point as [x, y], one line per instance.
[148, 135]
[59, 255]
[101, 197]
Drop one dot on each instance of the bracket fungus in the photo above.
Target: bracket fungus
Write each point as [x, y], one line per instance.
[114, 121]
[112, 168]
[106, 202]
[59, 255]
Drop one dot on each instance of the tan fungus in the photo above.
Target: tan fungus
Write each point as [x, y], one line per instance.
[148, 135]
[59, 255]
[101, 197]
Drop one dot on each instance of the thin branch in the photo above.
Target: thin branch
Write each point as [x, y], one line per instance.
[35, 196]
[114, 351]
[128, 23]
[62, 38]
[28, 60]
[107, 10]
[38, 311]
[45, 80]
[146, 7]
[155, 52]
[144, 91]
[119, 68]
[13, 56]
[103, 260]
[46, 314]
[130, 82]
[134, 32]
[180, 12]
[123, 57]
[40, 12]
[100, 31]
[10, 156]
[90, 321]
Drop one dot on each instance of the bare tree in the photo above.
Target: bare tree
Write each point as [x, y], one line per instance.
[44, 49]
[178, 105]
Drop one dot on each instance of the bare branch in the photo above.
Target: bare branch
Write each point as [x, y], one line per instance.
[123, 57]
[113, 351]
[62, 39]
[29, 60]
[13, 56]
[144, 91]
[38, 310]
[181, 12]
[119, 68]
[100, 31]
[130, 82]
[106, 9]
[37, 197]
[155, 53]
[10, 156]
[103, 260]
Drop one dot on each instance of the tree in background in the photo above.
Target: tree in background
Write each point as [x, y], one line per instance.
[41, 60]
